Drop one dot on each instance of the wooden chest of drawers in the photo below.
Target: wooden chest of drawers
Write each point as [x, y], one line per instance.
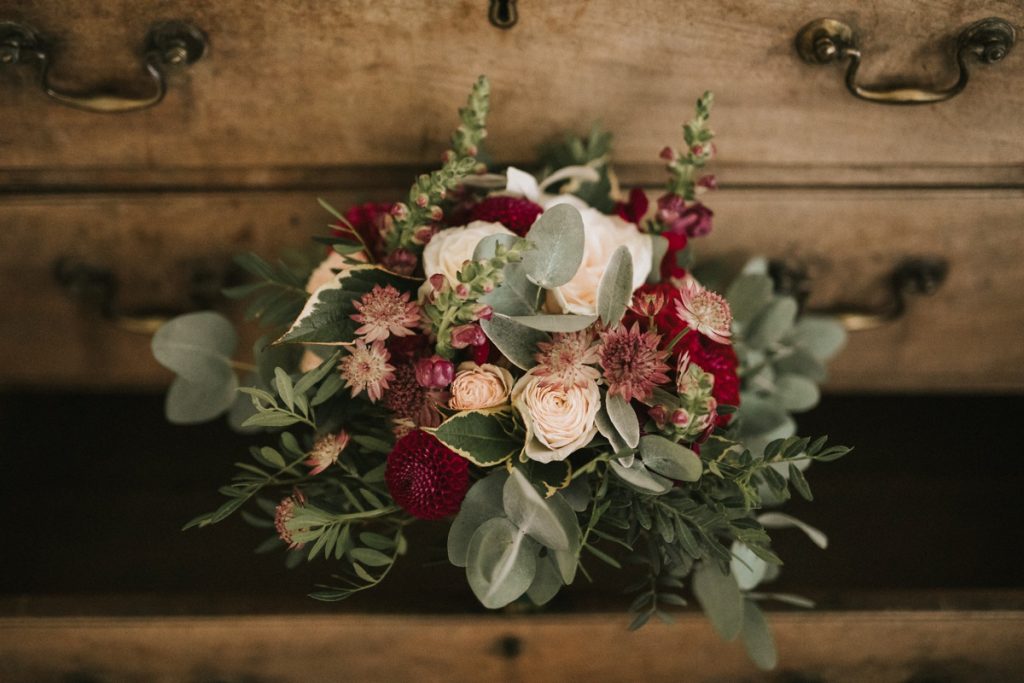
[296, 98]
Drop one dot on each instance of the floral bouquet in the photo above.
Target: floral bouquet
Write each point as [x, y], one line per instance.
[535, 360]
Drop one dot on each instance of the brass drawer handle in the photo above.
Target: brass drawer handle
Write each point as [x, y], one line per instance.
[95, 290]
[168, 44]
[827, 40]
[912, 277]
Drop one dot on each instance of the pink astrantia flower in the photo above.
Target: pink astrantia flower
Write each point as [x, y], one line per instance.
[705, 311]
[384, 311]
[325, 451]
[283, 513]
[567, 359]
[366, 368]
[633, 365]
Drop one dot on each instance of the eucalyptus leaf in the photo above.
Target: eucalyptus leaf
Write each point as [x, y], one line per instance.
[479, 437]
[801, 362]
[772, 323]
[516, 295]
[748, 569]
[615, 290]
[555, 323]
[624, 419]
[757, 637]
[659, 247]
[558, 240]
[780, 520]
[193, 402]
[482, 503]
[546, 583]
[487, 247]
[607, 429]
[197, 346]
[501, 563]
[516, 342]
[640, 477]
[669, 459]
[720, 598]
[822, 337]
[796, 393]
[550, 521]
[747, 295]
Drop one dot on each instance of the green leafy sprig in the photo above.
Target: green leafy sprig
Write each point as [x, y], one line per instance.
[684, 165]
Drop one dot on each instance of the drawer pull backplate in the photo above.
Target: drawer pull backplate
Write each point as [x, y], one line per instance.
[827, 40]
[168, 44]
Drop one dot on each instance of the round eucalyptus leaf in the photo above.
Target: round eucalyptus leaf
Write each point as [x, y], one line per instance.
[482, 503]
[797, 393]
[547, 581]
[670, 459]
[558, 240]
[747, 295]
[640, 477]
[822, 337]
[194, 402]
[550, 521]
[772, 323]
[501, 563]
[197, 346]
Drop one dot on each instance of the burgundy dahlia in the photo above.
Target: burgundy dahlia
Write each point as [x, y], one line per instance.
[426, 478]
[515, 213]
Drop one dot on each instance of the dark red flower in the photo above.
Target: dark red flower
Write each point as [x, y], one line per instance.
[718, 359]
[670, 267]
[369, 220]
[635, 209]
[426, 478]
[692, 220]
[515, 213]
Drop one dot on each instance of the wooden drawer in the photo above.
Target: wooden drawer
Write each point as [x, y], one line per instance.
[294, 84]
[965, 338]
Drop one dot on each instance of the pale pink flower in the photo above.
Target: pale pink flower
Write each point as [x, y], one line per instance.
[568, 359]
[705, 311]
[632, 362]
[384, 311]
[283, 513]
[480, 386]
[366, 368]
[325, 451]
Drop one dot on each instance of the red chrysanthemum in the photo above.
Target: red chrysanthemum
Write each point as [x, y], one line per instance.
[426, 478]
[515, 213]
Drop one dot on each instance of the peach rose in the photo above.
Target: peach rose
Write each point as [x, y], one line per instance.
[602, 236]
[559, 421]
[479, 386]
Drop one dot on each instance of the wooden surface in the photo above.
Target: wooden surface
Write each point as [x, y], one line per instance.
[964, 338]
[296, 83]
[880, 647]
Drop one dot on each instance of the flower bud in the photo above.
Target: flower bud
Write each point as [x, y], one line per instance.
[467, 335]
[709, 182]
[422, 234]
[462, 290]
[680, 418]
[422, 201]
[439, 282]
[436, 213]
[668, 154]
[447, 156]
[401, 261]
[434, 372]
[399, 211]
[483, 312]
[659, 415]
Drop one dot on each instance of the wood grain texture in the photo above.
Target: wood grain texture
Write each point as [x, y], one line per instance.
[301, 83]
[837, 647]
[965, 338]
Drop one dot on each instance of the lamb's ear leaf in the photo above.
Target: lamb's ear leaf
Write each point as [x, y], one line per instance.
[616, 287]
[516, 341]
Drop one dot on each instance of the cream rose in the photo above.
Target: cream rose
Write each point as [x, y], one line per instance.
[449, 249]
[558, 421]
[602, 236]
[479, 386]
